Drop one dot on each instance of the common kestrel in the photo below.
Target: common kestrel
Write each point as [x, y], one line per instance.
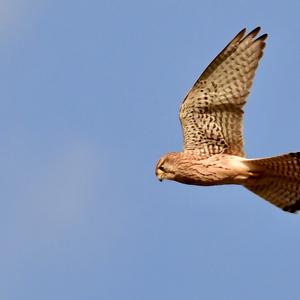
[211, 117]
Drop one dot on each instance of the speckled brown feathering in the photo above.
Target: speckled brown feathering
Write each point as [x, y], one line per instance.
[279, 180]
[211, 116]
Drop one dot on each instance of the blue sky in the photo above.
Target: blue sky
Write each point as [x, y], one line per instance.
[90, 92]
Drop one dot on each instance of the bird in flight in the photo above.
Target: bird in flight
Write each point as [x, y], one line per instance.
[211, 117]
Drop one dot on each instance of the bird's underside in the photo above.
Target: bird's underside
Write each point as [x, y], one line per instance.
[211, 116]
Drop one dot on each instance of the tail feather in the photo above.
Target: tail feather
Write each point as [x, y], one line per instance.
[277, 180]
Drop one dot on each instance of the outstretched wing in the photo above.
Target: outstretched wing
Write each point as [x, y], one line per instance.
[211, 114]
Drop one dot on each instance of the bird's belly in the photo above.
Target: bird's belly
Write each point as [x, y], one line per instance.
[221, 169]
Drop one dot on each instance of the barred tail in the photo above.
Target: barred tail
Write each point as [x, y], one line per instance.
[278, 180]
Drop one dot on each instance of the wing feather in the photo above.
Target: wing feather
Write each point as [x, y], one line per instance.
[211, 115]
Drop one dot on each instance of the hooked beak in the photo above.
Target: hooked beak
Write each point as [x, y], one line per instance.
[160, 175]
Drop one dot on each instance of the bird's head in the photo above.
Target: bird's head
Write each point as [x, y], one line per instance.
[166, 166]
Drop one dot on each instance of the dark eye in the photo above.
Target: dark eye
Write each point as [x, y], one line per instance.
[162, 168]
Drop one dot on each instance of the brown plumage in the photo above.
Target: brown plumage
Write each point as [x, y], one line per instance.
[211, 116]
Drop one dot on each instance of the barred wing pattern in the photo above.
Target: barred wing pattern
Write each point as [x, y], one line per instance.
[211, 115]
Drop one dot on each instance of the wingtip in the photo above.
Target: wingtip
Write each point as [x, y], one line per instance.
[254, 32]
[243, 31]
[263, 37]
[239, 36]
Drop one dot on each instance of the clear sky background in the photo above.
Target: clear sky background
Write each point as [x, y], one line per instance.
[90, 92]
